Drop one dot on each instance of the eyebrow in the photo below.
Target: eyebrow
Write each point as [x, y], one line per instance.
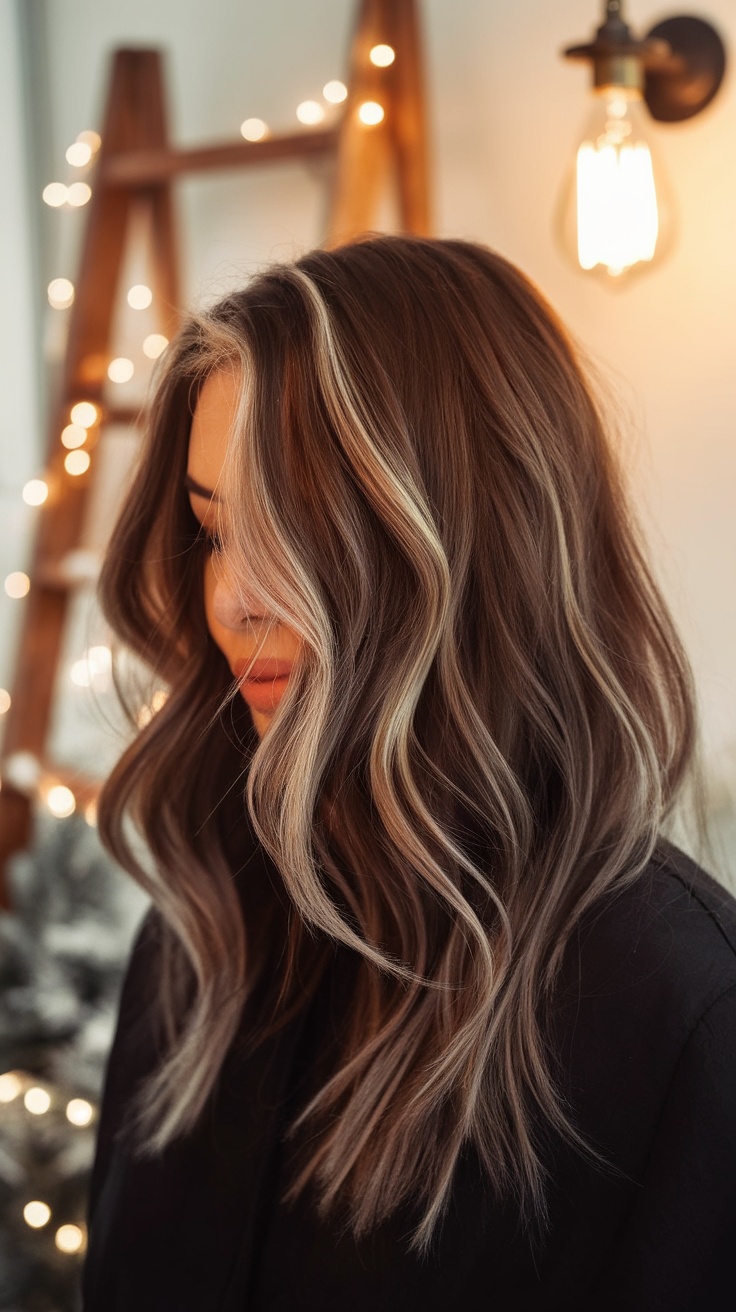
[197, 489]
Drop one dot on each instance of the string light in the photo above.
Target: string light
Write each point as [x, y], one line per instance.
[253, 129]
[382, 56]
[73, 436]
[36, 1100]
[62, 803]
[91, 139]
[78, 194]
[5, 704]
[95, 667]
[370, 113]
[36, 1214]
[84, 413]
[69, 1239]
[23, 771]
[120, 370]
[310, 112]
[76, 463]
[55, 194]
[154, 345]
[35, 492]
[17, 585]
[335, 92]
[79, 1111]
[10, 1086]
[79, 154]
[140, 296]
[60, 292]
[90, 814]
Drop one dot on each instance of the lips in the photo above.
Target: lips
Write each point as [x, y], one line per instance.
[261, 671]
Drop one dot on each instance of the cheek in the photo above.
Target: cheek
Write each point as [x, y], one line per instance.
[209, 582]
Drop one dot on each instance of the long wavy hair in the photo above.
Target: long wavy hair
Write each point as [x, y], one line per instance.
[491, 717]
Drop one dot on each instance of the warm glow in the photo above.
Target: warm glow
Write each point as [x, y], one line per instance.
[154, 345]
[140, 296]
[36, 1214]
[60, 292]
[335, 92]
[76, 463]
[37, 1100]
[159, 699]
[10, 1086]
[253, 129]
[382, 56]
[91, 138]
[90, 814]
[17, 584]
[69, 1239]
[95, 667]
[61, 801]
[84, 413]
[73, 436]
[35, 492]
[55, 194]
[78, 194]
[5, 704]
[617, 206]
[144, 717]
[79, 1111]
[370, 113]
[120, 370]
[79, 154]
[310, 112]
[23, 770]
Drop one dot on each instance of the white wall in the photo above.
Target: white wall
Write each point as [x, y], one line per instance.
[505, 111]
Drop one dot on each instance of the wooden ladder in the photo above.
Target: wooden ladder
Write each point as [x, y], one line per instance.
[134, 172]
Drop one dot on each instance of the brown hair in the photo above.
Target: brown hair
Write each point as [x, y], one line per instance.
[492, 716]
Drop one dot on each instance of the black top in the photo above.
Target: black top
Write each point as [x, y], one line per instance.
[647, 1035]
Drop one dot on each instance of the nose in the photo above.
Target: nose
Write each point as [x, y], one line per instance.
[231, 606]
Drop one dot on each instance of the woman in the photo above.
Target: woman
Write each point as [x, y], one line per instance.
[426, 1013]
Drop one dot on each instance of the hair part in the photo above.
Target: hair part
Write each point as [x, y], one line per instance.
[491, 720]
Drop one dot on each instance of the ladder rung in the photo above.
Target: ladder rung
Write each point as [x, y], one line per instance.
[135, 168]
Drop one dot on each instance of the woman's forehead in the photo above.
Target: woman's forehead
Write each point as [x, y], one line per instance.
[211, 425]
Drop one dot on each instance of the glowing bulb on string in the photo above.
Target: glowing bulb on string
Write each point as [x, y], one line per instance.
[37, 1101]
[120, 370]
[61, 801]
[140, 296]
[78, 194]
[335, 92]
[370, 113]
[69, 1239]
[84, 413]
[79, 154]
[36, 1214]
[382, 56]
[10, 1086]
[5, 704]
[55, 194]
[253, 129]
[91, 139]
[17, 585]
[79, 1111]
[310, 112]
[76, 463]
[60, 292]
[154, 345]
[73, 436]
[35, 492]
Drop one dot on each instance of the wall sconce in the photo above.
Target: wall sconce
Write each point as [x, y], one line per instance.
[617, 213]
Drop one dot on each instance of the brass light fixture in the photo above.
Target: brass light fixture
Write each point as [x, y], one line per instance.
[617, 214]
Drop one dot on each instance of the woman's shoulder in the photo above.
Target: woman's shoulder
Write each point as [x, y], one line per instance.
[648, 987]
[670, 937]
